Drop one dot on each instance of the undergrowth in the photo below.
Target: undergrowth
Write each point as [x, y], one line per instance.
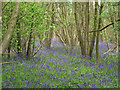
[60, 70]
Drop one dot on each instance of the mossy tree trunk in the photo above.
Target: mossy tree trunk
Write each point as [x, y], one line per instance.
[11, 26]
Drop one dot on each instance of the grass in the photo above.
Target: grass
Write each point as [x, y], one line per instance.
[56, 69]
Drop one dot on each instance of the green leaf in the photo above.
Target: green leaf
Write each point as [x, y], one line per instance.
[61, 25]
[37, 47]
[50, 26]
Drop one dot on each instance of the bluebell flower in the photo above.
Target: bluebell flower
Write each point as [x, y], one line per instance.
[79, 85]
[94, 86]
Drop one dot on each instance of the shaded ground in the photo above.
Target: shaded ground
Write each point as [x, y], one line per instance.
[55, 68]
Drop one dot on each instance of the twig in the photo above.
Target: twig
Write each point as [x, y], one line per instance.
[110, 50]
[36, 51]
[4, 6]
[6, 62]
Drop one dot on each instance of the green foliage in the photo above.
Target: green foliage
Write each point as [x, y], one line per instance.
[30, 13]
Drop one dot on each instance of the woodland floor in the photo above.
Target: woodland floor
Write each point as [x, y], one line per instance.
[55, 68]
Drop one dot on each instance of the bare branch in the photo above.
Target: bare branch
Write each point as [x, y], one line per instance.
[104, 27]
[5, 6]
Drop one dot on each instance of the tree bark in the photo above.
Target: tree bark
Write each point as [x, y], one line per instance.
[9, 47]
[97, 40]
[84, 27]
[79, 31]
[94, 33]
[30, 40]
[11, 26]
[87, 26]
[51, 29]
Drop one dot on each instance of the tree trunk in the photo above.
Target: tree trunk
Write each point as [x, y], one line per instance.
[11, 26]
[94, 33]
[51, 30]
[71, 38]
[67, 23]
[30, 40]
[9, 47]
[119, 36]
[84, 26]
[97, 40]
[79, 31]
[29, 44]
[18, 38]
[33, 45]
[87, 26]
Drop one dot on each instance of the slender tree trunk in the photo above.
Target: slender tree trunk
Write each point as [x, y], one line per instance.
[9, 47]
[97, 40]
[71, 37]
[10, 31]
[64, 16]
[106, 39]
[119, 35]
[87, 26]
[94, 33]
[29, 42]
[84, 27]
[51, 30]
[18, 38]
[33, 46]
[67, 23]
[79, 31]
[48, 40]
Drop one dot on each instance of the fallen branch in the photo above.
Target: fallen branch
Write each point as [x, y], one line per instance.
[6, 62]
[110, 50]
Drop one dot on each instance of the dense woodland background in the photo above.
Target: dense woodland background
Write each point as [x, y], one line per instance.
[88, 30]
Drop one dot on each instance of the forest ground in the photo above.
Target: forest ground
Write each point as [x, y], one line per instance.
[54, 68]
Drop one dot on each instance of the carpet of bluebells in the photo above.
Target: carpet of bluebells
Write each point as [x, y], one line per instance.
[54, 68]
